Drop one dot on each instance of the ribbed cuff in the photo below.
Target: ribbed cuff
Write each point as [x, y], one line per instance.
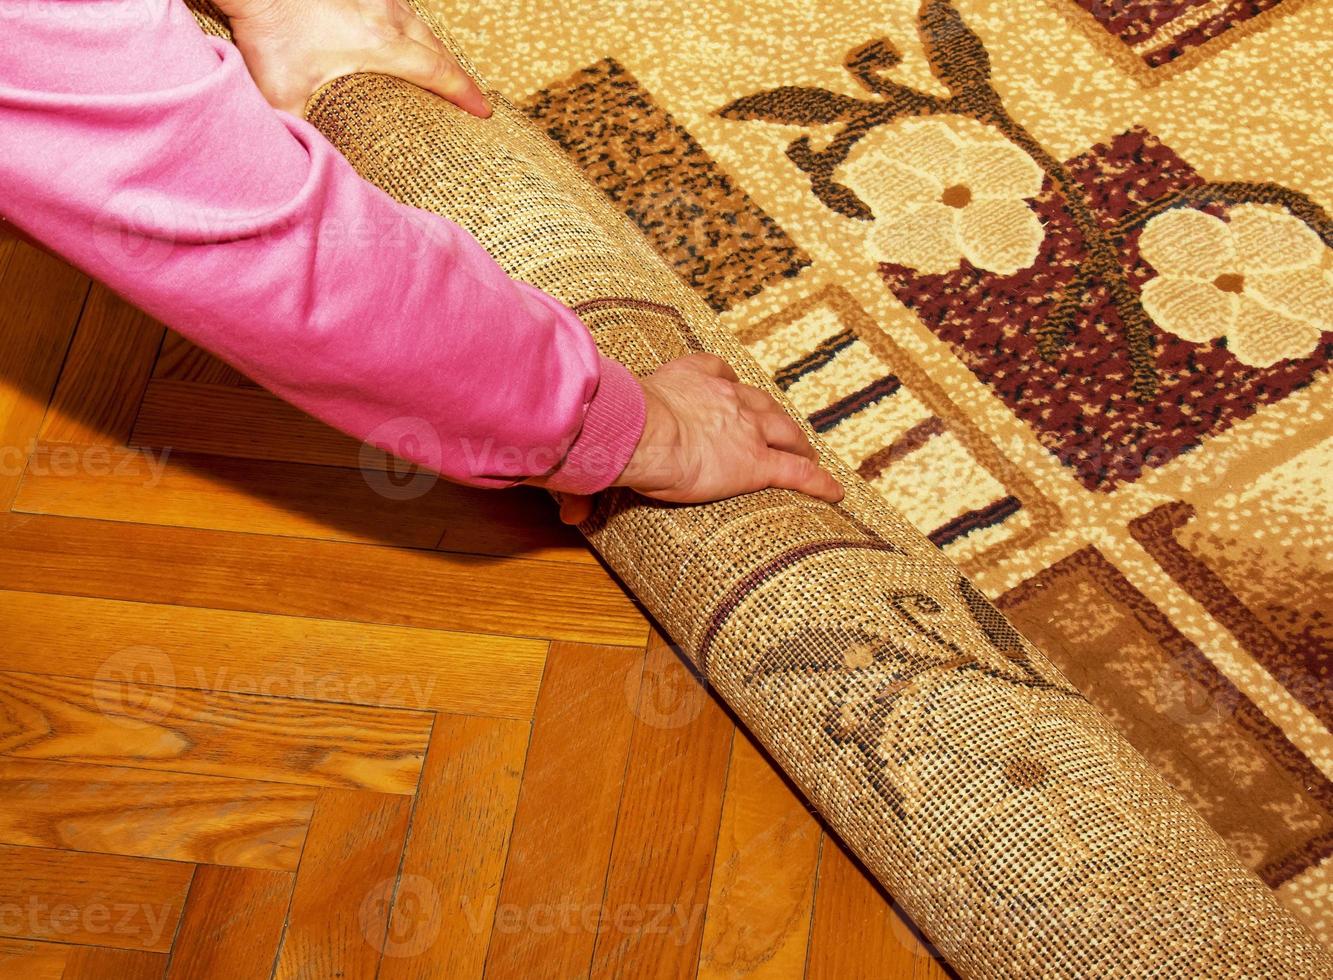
[611, 429]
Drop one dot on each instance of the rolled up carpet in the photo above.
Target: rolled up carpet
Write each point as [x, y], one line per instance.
[1019, 830]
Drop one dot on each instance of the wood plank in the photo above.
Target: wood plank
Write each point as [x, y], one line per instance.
[125, 722]
[100, 963]
[551, 896]
[930, 965]
[57, 961]
[666, 835]
[32, 960]
[232, 924]
[857, 931]
[218, 493]
[254, 424]
[92, 899]
[521, 521]
[442, 908]
[320, 579]
[762, 893]
[142, 485]
[180, 360]
[284, 656]
[249, 423]
[174, 816]
[340, 906]
[103, 379]
[40, 300]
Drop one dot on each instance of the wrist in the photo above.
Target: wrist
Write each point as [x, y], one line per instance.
[653, 464]
[612, 431]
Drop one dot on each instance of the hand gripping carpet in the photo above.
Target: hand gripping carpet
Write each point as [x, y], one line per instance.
[1012, 821]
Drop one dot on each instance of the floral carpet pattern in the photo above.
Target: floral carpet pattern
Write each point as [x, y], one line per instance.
[1056, 276]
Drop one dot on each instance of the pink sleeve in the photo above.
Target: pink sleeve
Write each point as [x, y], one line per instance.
[139, 149]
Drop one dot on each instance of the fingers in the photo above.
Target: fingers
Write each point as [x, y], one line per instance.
[778, 428]
[781, 432]
[736, 438]
[415, 28]
[791, 472]
[709, 364]
[435, 70]
[575, 509]
[756, 400]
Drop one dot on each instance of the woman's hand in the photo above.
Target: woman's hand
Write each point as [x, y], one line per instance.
[707, 437]
[292, 47]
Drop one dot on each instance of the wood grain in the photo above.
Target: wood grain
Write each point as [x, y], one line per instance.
[23, 958]
[270, 705]
[231, 925]
[239, 495]
[143, 486]
[181, 360]
[762, 893]
[666, 835]
[857, 932]
[105, 373]
[339, 911]
[291, 657]
[40, 301]
[101, 963]
[121, 721]
[7, 243]
[320, 579]
[92, 899]
[550, 902]
[445, 900]
[168, 815]
[248, 423]
[26, 960]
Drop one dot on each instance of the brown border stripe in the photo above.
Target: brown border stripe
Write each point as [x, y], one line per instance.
[1177, 649]
[827, 418]
[737, 593]
[987, 516]
[1156, 532]
[907, 443]
[827, 350]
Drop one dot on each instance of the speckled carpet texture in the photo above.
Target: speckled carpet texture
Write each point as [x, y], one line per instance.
[1074, 324]
[1052, 282]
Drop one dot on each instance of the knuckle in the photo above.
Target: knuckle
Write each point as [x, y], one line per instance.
[725, 390]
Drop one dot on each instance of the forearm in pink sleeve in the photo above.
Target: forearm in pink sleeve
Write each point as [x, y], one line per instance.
[140, 150]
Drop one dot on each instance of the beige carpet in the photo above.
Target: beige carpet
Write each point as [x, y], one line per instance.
[1080, 338]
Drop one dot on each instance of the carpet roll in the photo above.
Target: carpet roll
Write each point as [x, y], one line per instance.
[1019, 830]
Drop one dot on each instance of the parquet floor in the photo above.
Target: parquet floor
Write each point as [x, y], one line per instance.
[269, 708]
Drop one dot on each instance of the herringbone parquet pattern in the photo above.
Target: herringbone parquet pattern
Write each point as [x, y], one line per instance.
[269, 707]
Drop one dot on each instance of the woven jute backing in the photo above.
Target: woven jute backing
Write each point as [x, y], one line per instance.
[1018, 829]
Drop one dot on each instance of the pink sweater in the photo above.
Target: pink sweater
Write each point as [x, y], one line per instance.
[139, 148]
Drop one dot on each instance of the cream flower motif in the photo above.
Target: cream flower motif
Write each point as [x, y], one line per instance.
[942, 192]
[1261, 279]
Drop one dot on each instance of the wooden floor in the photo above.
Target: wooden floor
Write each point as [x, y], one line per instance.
[268, 708]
